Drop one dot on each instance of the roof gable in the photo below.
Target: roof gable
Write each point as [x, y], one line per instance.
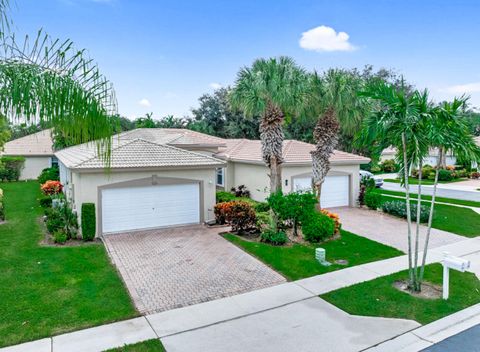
[136, 153]
[36, 144]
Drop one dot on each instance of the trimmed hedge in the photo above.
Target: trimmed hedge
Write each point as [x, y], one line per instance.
[49, 174]
[373, 199]
[317, 227]
[89, 222]
[399, 208]
[11, 167]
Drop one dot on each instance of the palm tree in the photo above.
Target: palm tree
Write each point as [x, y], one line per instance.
[448, 132]
[270, 88]
[400, 119]
[47, 80]
[334, 98]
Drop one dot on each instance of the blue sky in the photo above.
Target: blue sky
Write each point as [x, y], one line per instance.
[162, 55]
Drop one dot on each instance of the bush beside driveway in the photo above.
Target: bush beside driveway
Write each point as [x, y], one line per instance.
[51, 290]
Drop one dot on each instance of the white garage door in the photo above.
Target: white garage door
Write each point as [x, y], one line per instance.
[335, 190]
[137, 208]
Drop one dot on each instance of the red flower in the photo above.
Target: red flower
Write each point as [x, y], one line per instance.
[50, 188]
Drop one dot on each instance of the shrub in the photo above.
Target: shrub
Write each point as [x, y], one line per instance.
[50, 188]
[276, 238]
[50, 173]
[335, 218]
[239, 214]
[223, 196]
[475, 175]
[399, 208]
[11, 167]
[373, 199]
[60, 237]
[366, 183]
[388, 165]
[88, 221]
[292, 206]
[264, 220]
[445, 175]
[261, 207]
[45, 202]
[241, 191]
[462, 173]
[375, 169]
[450, 167]
[2, 209]
[55, 221]
[317, 227]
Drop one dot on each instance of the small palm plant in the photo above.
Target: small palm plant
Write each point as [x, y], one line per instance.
[399, 120]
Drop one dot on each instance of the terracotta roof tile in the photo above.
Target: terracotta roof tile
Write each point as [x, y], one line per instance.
[136, 153]
[294, 152]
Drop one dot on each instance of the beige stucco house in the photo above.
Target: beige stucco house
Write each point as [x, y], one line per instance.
[168, 177]
[37, 149]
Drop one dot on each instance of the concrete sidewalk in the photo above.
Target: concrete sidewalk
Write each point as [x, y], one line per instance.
[216, 324]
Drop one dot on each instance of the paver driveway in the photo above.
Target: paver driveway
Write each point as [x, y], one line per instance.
[389, 230]
[169, 268]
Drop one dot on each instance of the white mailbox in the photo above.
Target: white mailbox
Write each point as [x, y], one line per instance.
[455, 263]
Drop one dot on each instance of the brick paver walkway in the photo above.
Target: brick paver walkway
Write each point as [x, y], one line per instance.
[170, 268]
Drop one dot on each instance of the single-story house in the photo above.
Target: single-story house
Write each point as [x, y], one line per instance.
[168, 177]
[246, 167]
[37, 149]
[431, 159]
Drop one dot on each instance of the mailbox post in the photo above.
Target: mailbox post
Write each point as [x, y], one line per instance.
[450, 262]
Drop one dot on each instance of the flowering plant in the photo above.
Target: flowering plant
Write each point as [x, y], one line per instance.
[51, 188]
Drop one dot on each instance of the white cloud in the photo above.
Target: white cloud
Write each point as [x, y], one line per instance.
[325, 38]
[215, 85]
[145, 102]
[463, 88]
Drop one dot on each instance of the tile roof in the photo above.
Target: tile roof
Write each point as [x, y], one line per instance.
[173, 136]
[133, 153]
[294, 152]
[36, 144]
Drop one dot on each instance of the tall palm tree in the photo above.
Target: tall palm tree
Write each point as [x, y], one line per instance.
[270, 88]
[48, 80]
[399, 120]
[448, 132]
[333, 97]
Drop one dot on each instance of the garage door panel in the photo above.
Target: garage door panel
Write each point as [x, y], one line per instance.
[335, 190]
[136, 208]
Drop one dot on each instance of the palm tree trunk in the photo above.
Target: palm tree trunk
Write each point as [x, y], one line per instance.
[416, 282]
[430, 219]
[409, 215]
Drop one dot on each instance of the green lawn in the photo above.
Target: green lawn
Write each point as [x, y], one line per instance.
[462, 221]
[50, 290]
[469, 203]
[414, 181]
[379, 298]
[298, 261]
[146, 346]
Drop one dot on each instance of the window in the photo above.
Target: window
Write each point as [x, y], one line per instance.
[220, 177]
[54, 161]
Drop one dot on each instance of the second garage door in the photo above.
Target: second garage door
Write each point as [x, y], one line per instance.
[135, 208]
[335, 190]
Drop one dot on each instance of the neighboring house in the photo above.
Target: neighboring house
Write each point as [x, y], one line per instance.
[37, 149]
[431, 159]
[246, 167]
[168, 177]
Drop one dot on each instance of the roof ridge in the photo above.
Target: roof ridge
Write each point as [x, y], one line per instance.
[121, 144]
[180, 149]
